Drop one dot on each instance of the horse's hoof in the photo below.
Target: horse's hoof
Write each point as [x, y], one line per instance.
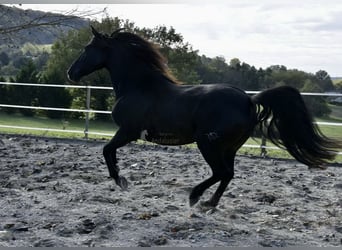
[122, 182]
[193, 201]
[208, 204]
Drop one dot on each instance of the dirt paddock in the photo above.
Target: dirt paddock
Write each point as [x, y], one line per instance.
[56, 192]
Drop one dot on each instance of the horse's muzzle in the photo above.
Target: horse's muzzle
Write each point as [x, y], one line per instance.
[73, 76]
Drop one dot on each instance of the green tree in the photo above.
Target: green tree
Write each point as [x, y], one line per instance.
[317, 105]
[214, 70]
[338, 86]
[324, 80]
[265, 78]
[235, 63]
[28, 73]
[250, 79]
[4, 58]
[207, 70]
[293, 77]
[181, 57]
[26, 95]
[53, 97]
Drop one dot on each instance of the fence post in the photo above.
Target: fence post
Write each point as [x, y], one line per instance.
[86, 129]
[263, 146]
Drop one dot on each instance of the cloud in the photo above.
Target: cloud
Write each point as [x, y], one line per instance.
[305, 34]
[332, 24]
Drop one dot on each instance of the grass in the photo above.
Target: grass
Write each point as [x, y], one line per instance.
[336, 113]
[59, 124]
[110, 129]
[337, 80]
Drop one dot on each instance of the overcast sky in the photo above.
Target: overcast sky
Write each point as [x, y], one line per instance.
[301, 34]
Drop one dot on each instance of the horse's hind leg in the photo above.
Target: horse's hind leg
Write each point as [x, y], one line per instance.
[198, 190]
[222, 171]
[226, 173]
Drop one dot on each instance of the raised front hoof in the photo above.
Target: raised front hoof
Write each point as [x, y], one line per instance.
[122, 182]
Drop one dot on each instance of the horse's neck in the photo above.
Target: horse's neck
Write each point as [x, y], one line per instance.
[144, 84]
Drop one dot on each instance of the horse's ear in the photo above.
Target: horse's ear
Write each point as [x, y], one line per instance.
[95, 32]
[116, 32]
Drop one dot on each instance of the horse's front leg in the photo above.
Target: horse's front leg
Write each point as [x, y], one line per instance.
[120, 139]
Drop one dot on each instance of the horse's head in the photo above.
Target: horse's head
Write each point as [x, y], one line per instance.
[127, 56]
[94, 56]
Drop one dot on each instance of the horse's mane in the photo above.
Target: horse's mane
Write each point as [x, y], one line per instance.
[147, 52]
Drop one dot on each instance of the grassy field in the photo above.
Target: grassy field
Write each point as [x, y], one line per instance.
[337, 80]
[68, 128]
[336, 113]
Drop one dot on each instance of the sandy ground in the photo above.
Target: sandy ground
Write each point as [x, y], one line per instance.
[57, 192]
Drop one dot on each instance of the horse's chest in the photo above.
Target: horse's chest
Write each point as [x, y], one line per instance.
[163, 138]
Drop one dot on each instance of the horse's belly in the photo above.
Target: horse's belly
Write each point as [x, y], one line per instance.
[165, 138]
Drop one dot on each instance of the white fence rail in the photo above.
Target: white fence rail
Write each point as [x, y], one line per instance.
[87, 110]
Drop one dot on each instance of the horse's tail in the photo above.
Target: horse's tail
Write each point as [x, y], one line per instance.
[291, 126]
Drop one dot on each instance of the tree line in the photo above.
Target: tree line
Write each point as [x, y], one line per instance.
[183, 61]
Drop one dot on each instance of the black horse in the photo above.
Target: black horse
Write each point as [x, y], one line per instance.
[151, 105]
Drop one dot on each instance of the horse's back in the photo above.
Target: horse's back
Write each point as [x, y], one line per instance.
[225, 111]
[219, 100]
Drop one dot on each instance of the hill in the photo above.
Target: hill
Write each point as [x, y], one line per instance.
[18, 26]
[336, 79]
